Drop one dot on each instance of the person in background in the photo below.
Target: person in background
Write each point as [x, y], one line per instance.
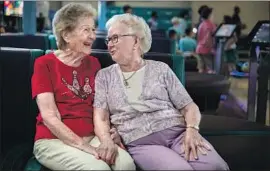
[175, 26]
[2, 25]
[230, 52]
[63, 86]
[2, 28]
[146, 102]
[40, 23]
[200, 15]
[127, 9]
[11, 27]
[205, 41]
[187, 46]
[173, 36]
[152, 22]
[237, 20]
[183, 23]
[188, 43]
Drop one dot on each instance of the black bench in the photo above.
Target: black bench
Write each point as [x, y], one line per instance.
[239, 142]
[18, 110]
[206, 89]
[159, 44]
[19, 40]
[163, 45]
[243, 145]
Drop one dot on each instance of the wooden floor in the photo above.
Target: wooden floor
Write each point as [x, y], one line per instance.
[239, 90]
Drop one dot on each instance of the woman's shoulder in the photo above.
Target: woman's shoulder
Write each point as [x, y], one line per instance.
[109, 70]
[45, 59]
[156, 65]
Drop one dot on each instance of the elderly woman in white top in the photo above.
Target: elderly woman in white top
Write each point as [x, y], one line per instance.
[145, 101]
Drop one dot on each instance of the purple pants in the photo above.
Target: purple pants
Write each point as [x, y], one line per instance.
[161, 151]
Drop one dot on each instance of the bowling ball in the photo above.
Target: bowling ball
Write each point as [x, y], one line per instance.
[245, 67]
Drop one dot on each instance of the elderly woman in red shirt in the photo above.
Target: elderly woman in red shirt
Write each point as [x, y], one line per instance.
[206, 42]
[63, 85]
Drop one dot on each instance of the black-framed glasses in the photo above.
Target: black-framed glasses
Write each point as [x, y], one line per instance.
[114, 38]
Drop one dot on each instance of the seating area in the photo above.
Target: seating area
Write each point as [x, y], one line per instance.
[164, 14]
[243, 144]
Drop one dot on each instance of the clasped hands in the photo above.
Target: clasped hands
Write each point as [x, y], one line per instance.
[108, 149]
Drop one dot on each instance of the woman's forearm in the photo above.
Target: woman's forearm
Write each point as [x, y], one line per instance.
[192, 115]
[52, 120]
[62, 132]
[102, 124]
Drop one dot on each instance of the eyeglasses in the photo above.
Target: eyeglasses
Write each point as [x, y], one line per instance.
[114, 38]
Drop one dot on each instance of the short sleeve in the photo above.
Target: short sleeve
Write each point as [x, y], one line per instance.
[177, 92]
[41, 80]
[100, 100]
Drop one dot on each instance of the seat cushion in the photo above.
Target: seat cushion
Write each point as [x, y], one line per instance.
[243, 152]
[243, 144]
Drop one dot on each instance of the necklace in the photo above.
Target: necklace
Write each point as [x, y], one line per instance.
[126, 79]
[126, 84]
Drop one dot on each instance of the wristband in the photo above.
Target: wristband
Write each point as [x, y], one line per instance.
[193, 126]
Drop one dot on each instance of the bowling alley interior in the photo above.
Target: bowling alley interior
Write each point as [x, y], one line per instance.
[211, 55]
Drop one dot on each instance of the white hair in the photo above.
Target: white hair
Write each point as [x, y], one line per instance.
[137, 26]
[68, 17]
[175, 20]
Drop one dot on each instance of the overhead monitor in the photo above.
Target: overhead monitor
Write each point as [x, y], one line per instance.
[259, 39]
[225, 30]
[262, 34]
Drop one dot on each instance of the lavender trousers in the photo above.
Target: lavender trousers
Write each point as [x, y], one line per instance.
[161, 151]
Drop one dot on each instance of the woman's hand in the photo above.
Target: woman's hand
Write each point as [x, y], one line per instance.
[90, 149]
[194, 143]
[115, 136]
[107, 151]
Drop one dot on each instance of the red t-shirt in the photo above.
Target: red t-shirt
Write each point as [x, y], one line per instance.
[73, 89]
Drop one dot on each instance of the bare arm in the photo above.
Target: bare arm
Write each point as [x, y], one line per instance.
[192, 115]
[102, 124]
[52, 119]
[182, 100]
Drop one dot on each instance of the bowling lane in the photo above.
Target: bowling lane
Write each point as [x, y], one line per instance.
[239, 89]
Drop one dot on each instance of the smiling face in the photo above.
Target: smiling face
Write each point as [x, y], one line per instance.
[122, 45]
[80, 40]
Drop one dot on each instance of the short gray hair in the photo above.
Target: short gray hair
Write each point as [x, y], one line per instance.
[66, 19]
[137, 25]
